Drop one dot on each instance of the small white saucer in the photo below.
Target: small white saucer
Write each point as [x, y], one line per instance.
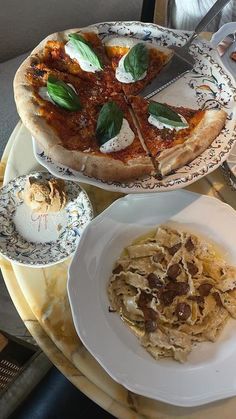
[40, 240]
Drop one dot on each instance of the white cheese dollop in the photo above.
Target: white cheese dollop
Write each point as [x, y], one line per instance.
[120, 141]
[43, 93]
[160, 125]
[125, 42]
[74, 54]
[123, 76]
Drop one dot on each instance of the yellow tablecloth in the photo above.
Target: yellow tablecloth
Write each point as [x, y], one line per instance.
[41, 300]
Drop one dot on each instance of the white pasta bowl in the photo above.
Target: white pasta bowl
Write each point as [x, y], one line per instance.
[208, 374]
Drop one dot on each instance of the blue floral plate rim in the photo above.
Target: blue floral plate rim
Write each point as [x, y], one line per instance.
[15, 247]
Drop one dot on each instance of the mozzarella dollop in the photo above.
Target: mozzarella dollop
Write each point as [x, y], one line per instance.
[120, 141]
[123, 76]
[160, 125]
[74, 54]
[125, 42]
[43, 93]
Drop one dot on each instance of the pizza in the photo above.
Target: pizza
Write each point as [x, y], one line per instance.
[78, 96]
[157, 58]
[174, 146]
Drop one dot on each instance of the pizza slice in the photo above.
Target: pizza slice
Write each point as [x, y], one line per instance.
[175, 136]
[136, 63]
[82, 54]
[36, 76]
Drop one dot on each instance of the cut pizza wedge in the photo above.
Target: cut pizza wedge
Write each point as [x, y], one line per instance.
[136, 63]
[175, 136]
[36, 76]
[82, 54]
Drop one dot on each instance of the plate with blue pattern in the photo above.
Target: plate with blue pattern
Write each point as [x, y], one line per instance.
[39, 240]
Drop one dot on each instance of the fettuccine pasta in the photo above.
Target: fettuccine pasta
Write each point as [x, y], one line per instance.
[173, 289]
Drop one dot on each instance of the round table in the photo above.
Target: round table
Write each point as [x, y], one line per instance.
[41, 300]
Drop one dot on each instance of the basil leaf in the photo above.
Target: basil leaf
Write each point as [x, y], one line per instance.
[85, 49]
[136, 61]
[166, 121]
[109, 122]
[62, 94]
[165, 115]
[78, 37]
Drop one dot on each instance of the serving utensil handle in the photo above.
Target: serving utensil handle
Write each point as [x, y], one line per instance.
[214, 10]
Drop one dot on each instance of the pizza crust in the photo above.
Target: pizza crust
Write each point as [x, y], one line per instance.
[200, 139]
[100, 167]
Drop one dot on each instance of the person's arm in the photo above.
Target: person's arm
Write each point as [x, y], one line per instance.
[185, 14]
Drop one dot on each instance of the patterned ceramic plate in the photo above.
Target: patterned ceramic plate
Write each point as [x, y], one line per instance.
[39, 240]
[208, 86]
